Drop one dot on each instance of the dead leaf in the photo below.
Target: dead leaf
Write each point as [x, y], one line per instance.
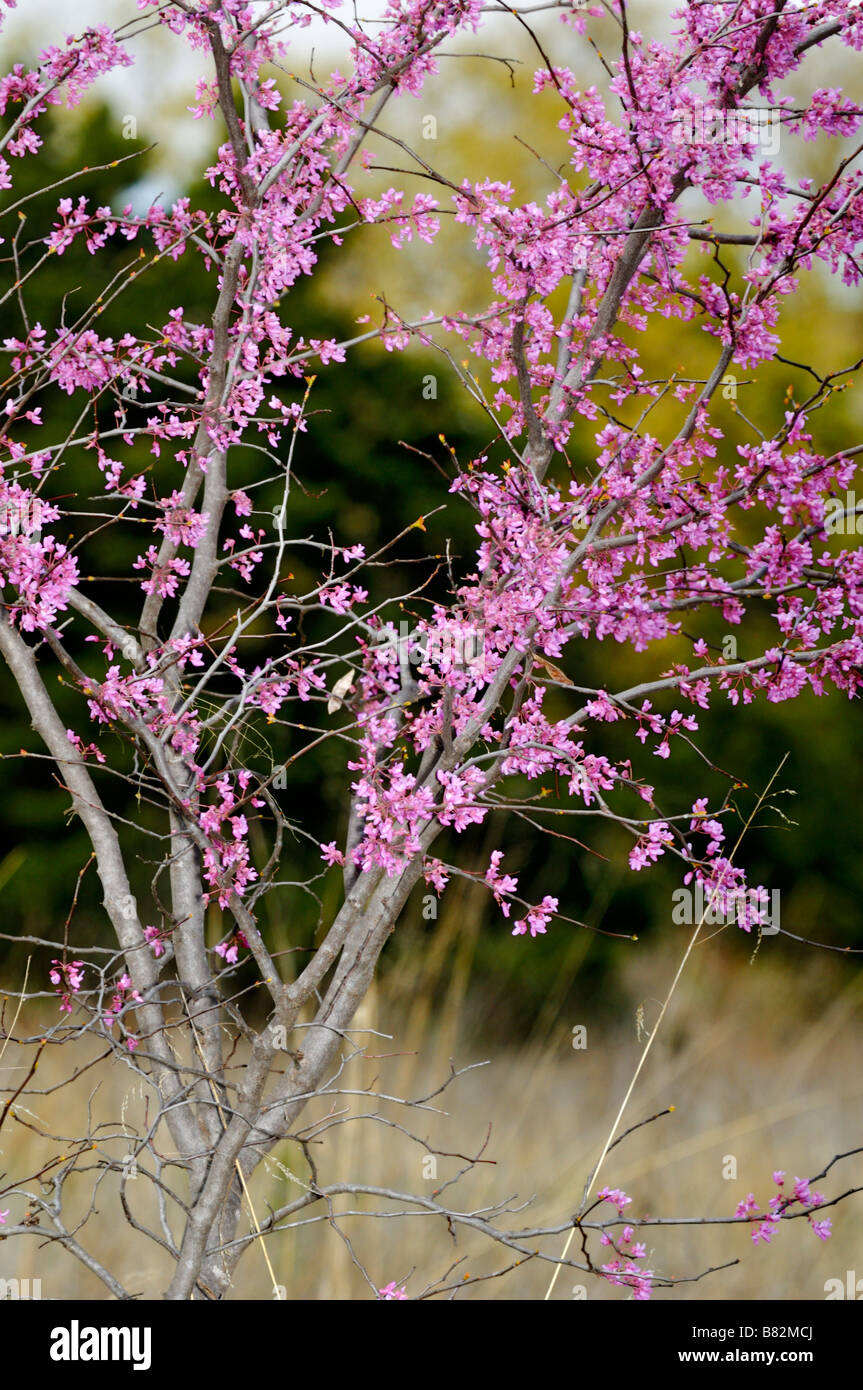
[340, 689]
[554, 671]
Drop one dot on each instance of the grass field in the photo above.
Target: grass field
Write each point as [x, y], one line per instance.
[760, 1061]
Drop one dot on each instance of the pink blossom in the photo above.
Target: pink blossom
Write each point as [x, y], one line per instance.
[537, 919]
[154, 937]
[616, 1196]
[392, 1293]
[68, 978]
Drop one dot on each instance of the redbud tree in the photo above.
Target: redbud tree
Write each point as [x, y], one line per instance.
[678, 196]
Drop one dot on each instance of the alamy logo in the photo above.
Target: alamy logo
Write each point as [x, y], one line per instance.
[844, 518]
[14, 1289]
[76, 1343]
[744, 907]
[852, 1287]
[710, 125]
[21, 518]
[440, 648]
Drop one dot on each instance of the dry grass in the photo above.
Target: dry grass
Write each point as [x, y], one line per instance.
[760, 1061]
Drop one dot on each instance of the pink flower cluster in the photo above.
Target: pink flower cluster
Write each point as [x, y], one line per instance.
[624, 1272]
[124, 994]
[230, 950]
[801, 1196]
[67, 977]
[391, 1293]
